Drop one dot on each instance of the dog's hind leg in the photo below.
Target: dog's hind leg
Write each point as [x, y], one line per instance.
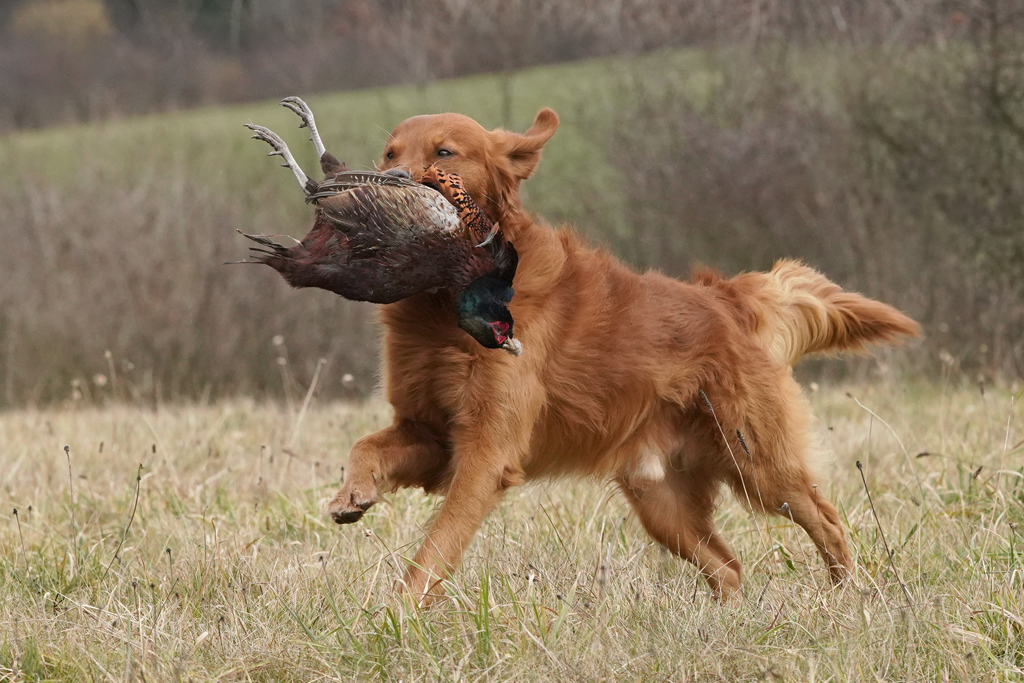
[678, 513]
[801, 502]
[772, 470]
[407, 453]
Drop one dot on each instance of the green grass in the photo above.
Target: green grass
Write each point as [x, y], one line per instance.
[230, 571]
[212, 147]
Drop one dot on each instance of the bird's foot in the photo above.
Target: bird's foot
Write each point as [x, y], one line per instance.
[306, 114]
[280, 150]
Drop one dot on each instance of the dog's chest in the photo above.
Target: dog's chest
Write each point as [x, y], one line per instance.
[465, 382]
[442, 379]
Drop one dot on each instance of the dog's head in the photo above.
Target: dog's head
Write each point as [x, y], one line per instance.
[491, 163]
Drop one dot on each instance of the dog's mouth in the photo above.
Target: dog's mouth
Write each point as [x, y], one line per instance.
[400, 172]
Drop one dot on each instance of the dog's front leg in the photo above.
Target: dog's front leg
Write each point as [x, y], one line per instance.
[487, 461]
[408, 453]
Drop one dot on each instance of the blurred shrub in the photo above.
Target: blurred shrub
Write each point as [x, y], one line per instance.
[128, 281]
[897, 170]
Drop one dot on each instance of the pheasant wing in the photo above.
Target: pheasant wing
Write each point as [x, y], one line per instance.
[347, 180]
[384, 217]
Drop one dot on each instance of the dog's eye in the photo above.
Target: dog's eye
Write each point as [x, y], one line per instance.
[389, 155]
[445, 152]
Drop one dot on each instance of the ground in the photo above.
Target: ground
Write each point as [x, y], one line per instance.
[217, 563]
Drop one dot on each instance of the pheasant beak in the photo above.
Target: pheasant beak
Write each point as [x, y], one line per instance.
[513, 346]
[501, 331]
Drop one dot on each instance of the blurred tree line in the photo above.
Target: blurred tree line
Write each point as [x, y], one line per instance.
[893, 160]
[82, 60]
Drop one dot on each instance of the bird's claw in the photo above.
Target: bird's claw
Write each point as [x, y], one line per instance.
[297, 105]
[279, 149]
[268, 136]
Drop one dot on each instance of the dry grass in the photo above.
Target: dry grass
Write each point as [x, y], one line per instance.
[229, 570]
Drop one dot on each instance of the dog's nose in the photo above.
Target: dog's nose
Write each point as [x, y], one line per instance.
[400, 172]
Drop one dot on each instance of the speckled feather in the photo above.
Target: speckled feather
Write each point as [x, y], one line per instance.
[381, 238]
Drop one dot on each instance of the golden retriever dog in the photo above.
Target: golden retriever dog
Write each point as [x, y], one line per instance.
[669, 388]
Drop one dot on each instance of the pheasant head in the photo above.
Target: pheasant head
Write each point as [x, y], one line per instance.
[482, 229]
[483, 305]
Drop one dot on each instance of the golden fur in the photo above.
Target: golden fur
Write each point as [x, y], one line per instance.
[640, 378]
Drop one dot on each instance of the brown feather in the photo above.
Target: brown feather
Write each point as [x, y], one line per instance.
[381, 237]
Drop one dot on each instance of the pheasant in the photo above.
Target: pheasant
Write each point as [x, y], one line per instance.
[382, 237]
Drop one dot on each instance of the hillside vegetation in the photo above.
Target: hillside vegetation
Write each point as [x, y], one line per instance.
[115, 233]
[899, 171]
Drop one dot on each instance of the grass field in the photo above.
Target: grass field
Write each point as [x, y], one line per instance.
[218, 564]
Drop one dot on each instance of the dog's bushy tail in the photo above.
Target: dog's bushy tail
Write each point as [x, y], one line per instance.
[794, 310]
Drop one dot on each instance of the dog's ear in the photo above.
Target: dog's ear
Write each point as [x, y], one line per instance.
[523, 151]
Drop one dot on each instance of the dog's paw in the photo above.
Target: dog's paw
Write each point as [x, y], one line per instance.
[350, 503]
